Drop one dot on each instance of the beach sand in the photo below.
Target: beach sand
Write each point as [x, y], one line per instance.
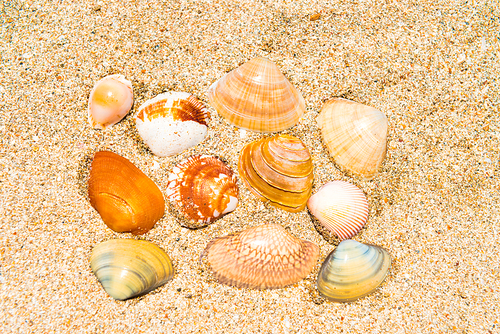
[431, 67]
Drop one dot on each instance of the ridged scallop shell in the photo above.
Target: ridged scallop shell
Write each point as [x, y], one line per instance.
[355, 134]
[353, 270]
[202, 189]
[278, 169]
[262, 257]
[172, 122]
[341, 208]
[130, 268]
[126, 199]
[258, 97]
[110, 100]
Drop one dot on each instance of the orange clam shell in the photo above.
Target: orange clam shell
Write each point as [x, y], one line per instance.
[125, 198]
[262, 257]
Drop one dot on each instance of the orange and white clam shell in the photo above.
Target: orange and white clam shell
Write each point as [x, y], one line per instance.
[110, 100]
[341, 208]
[172, 122]
[201, 190]
[257, 96]
[355, 134]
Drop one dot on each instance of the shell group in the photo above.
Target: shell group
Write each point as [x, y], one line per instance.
[258, 97]
[261, 257]
[126, 199]
[353, 270]
[202, 189]
[341, 208]
[355, 134]
[129, 268]
[172, 122]
[279, 170]
[110, 100]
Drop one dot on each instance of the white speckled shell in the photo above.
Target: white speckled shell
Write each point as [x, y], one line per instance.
[172, 122]
[110, 100]
[341, 208]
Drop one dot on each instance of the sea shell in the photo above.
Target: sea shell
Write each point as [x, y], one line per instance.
[353, 270]
[129, 268]
[202, 189]
[258, 97]
[278, 169]
[262, 257]
[172, 122]
[126, 199]
[341, 208]
[110, 100]
[355, 135]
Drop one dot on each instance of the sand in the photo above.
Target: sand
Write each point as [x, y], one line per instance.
[431, 67]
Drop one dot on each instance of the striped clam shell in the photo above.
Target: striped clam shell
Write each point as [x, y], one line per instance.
[278, 170]
[355, 134]
[201, 190]
[353, 270]
[110, 100]
[129, 268]
[258, 97]
[172, 122]
[340, 207]
[262, 257]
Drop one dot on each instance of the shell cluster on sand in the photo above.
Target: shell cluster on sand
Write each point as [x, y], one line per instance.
[202, 189]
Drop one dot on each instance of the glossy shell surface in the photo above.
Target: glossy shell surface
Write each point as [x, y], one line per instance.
[341, 208]
[129, 268]
[355, 134]
[261, 257]
[110, 100]
[353, 270]
[126, 199]
[202, 189]
[172, 122]
[278, 170]
[258, 97]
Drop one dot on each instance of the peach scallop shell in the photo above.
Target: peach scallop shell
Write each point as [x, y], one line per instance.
[258, 97]
[110, 100]
[202, 189]
[278, 169]
[355, 135]
[129, 268]
[262, 257]
[341, 208]
[172, 122]
[126, 199]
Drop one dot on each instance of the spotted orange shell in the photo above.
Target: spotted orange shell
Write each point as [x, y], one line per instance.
[201, 190]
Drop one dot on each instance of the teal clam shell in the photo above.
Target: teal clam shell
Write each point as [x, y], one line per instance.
[129, 268]
[353, 270]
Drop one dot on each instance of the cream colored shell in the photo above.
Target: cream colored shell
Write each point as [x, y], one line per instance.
[355, 134]
[258, 97]
[341, 208]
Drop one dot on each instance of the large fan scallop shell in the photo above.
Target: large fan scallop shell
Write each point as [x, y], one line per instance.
[110, 100]
[129, 268]
[279, 170]
[353, 270]
[355, 134]
[126, 199]
[262, 257]
[341, 208]
[172, 122]
[258, 97]
[202, 189]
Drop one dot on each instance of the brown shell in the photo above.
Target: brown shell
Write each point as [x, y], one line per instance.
[278, 169]
[258, 97]
[262, 257]
[202, 189]
[126, 199]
